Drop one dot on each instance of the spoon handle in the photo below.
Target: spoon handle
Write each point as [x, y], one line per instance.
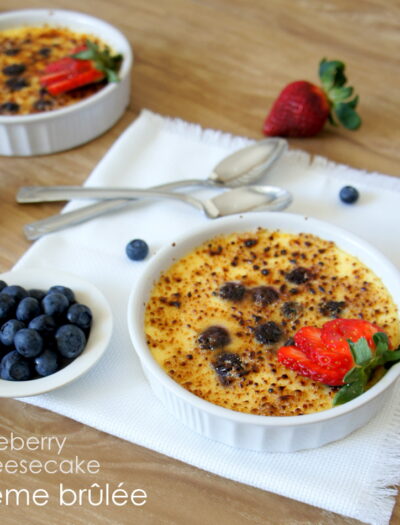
[34, 194]
[37, 229]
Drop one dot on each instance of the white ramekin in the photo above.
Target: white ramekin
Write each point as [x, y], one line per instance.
[65, 128]
[272, 434]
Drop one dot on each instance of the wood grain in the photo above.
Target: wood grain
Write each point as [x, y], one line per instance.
[219, 63]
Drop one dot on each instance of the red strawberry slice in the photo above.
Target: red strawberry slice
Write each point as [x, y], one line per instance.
[296, 360]
[336, 333]
[82, 79]
[309, 340]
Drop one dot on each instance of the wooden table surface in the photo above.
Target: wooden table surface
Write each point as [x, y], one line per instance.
[219, 63]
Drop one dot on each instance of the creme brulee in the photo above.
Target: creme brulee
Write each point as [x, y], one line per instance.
[216, 317]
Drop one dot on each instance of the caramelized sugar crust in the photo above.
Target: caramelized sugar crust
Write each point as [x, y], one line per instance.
[304, 280]
[24, 54]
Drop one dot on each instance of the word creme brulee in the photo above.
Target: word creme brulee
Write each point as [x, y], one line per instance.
[259, 322]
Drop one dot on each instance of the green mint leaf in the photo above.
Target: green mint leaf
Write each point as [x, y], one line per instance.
[356, 374]
[86, 54]
[92, 46]
[347, 116]
[112, 76]
[391, 356]
[380, 338]
[361, 351]
[347, 393]
[381, 343]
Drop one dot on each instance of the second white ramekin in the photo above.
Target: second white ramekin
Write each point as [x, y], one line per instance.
[65, 128]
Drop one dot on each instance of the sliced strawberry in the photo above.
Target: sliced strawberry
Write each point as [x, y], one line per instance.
[296, 360]
[82, 79]
[308, 339]
[336, 333]
[67, 64]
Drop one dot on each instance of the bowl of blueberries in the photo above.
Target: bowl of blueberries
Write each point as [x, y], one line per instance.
[54, 327]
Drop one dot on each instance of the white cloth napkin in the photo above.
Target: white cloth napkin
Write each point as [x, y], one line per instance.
[353, 477]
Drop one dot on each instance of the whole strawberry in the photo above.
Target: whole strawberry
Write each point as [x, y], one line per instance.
[302, 108]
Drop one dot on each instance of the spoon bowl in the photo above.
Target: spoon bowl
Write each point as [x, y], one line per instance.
[245, 166]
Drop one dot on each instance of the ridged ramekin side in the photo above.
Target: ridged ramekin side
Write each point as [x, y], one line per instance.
[263, 437]
[73, 129]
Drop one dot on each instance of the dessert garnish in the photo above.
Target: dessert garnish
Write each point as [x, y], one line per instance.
[344, 352]
[214, 337]
[232, 291]
[268, 333]
[41, 331]
[137, 250]
[349, 194]
[228, 366]
[86, 65]
[264, 295]
[302, 108]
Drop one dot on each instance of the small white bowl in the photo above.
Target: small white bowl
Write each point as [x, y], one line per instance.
[65, 128]
[264, 433]
[99, 338]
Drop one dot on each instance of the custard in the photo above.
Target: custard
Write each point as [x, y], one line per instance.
[216, 318]
[24, 54]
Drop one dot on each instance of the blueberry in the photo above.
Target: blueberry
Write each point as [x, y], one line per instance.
[332, 308]
[3, 284]
[45, 51]
[27, 309]
[8, 331]
[137, 250]
[70, 340]
[291, 309]
[264, 295]
[214, 337]
[14, 367]
[9, 107]
[12, 51]
[16, 83]
[43, 104]
[228, 366]
[46, 363]
[28, 342]
[232, 291]
[44, 324]
[14, 69]
[36, 294]
[268, 333]
[55, 303]
[80, 315]
[7, 306]
[348, 194]
[69, 294]
[15, 291]
[299, 275]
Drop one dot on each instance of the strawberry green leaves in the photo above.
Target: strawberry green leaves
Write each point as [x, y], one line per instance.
[367, 362]
[333, 81]
[103, 60]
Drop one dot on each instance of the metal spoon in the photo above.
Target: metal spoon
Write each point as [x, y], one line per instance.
[237, 200]
[242, 167]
